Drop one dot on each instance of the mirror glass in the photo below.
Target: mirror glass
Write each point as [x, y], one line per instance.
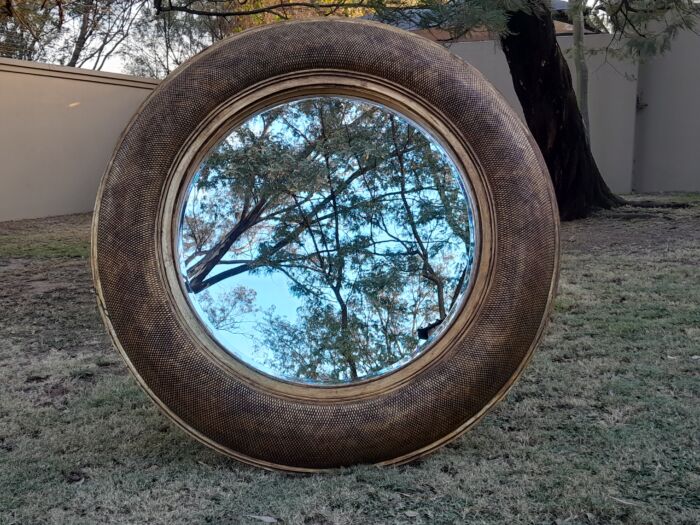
[326, 240]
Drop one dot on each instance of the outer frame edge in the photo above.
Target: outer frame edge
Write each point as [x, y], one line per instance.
[281, 467]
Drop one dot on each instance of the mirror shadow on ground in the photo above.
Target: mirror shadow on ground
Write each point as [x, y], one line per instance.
[603, 427]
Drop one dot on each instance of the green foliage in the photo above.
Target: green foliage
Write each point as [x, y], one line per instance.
[27, 31]
[154, 41]
[82, 33]
[20, 247]
[641, 29]
[158, 44]
[458, 17]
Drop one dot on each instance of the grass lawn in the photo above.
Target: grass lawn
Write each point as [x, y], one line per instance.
[603, 427]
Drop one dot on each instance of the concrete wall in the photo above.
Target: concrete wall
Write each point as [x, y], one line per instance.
[58, 127]
[612, 94]
[667, 148]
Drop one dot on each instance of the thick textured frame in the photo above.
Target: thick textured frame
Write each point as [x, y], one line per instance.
[278, 424]
[293, 87]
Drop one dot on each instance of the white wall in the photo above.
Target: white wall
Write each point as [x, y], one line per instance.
[58, 127]
[612, 93]
[667, 148]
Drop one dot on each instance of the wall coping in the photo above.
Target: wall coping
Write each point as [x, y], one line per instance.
[26, 67]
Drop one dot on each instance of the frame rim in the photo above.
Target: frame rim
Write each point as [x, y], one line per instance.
[209, 441]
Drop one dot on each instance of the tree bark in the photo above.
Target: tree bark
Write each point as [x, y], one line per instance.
[199, 272]
[542, 81]
[81, 40]
[577, 13]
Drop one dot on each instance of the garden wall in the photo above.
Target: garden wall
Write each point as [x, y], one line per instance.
[58, 127]
[668, 121]
[611, 99]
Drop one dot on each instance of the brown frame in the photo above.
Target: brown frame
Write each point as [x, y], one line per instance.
[374, 420]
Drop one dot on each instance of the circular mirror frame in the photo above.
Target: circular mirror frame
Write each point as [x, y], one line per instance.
[274, 423]
[291, 88]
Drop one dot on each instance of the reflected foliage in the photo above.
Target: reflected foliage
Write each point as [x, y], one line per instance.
[356, 215]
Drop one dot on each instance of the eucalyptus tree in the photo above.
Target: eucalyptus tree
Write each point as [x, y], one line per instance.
[540, 74]
[639, 30]
[26, 30]
[76, 33]
[159, 43]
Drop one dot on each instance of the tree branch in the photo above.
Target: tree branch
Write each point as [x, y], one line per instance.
[272, 9]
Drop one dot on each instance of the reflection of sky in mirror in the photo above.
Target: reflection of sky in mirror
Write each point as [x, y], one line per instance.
[324, 142]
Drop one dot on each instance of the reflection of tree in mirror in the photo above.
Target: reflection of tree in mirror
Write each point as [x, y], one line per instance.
[228, 310]
[360, 213]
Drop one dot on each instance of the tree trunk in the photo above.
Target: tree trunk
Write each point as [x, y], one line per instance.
[543, 84]
[85, 21]
[577, 12]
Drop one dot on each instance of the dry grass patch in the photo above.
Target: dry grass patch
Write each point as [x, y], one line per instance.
[604, 427]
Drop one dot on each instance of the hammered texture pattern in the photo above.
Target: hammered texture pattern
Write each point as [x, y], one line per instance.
[302, 434]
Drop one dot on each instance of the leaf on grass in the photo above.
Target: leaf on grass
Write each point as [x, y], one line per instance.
[36, 379]
[626, 502]
[264, 519]
[74, 476]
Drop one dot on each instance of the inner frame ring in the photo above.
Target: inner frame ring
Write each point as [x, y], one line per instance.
[325, 82]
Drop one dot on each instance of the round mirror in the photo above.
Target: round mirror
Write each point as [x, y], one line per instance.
[326, 240]
[325, 243]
